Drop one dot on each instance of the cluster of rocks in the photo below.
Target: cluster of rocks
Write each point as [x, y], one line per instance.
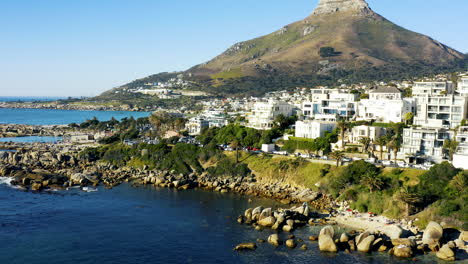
[29, 130]
[430, 240]
[66, 106]
[65, 163]
[281, 219]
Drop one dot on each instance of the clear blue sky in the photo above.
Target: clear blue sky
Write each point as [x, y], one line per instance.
[84, 47]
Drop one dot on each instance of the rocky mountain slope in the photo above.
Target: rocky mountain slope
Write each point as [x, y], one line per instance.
[341, 39]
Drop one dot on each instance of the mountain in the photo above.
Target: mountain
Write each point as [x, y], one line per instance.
[341, 39]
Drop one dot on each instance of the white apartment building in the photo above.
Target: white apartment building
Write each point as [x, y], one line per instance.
[440, 111]
[264, 113]
[195, 125]
[462, 88]
[313, 129]
[385, 104]
[460, 158]
[427, 142]
[371, 132]
[432, 88]
[327, 104]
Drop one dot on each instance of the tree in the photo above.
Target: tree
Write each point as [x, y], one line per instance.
[395, 145]
[343, 125]
[460, 181]
[410, 198]
[450, 147]
[381, 141]
[409, 117]
[327, 52]
[373, 181]
[365, 141]
[235, 145]
[338, 156]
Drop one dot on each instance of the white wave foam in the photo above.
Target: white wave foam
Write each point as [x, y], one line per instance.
[6, 180]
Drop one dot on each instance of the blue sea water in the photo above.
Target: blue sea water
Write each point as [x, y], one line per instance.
[32, 139]
[59, 117]
[145, 225]
[29, 98]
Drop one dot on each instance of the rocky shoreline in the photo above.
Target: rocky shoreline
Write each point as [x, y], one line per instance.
[57, 105]
[42, 167]
[7, 130]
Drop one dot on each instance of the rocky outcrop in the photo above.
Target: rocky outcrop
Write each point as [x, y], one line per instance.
[446, 253]
[274, 240]
[326, 242]
[432, 234]
[333, 6]
[366, 244]
[246, 246]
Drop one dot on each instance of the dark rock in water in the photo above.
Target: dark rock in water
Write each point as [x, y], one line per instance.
[246, 246]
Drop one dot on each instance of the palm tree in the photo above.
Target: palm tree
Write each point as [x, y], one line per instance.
[343, 125]
[373, 181]
[365, 141]
[338, 156]
[450, 147]
[395, 145]
[409, 117]
[381, 141]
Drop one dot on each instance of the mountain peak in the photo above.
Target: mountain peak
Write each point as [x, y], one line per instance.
[333, 6]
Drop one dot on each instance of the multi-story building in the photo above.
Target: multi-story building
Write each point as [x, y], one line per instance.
[195, 125]
[264, 113]
[440, 111]
[425, 142]
[313, 129]
[460, 158]
[371, 132]
[330, 103]
[385, 104]
[462, 88]
[432, 88]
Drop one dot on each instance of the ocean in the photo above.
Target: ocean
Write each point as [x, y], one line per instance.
[29, 98]
[59, 117]
[140, 225]
[145, 225]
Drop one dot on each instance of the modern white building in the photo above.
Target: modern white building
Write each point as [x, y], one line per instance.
[385, 104]
[432, 88]
[264, 113]
[440, 111]
[462, 88]
[371, 132]
[195, 125]
[330, 103]
[425, 142]
[460, 158]
[313, 129]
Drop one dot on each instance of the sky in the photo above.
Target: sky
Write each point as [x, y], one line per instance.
[85, 47]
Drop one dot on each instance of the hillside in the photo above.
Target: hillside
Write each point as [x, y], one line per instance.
[341, 39]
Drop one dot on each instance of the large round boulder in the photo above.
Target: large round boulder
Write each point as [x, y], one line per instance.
[402, 251]
[325, 240]
[267, 221]
[432, 234]
[446, 253]
[366, 244]
[274, 240]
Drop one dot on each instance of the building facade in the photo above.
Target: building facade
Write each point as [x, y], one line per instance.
[432, 88]
[440, 111]
[264, 113]
[371, 132]
[426, 142]
[313, 129]
[460, 158]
